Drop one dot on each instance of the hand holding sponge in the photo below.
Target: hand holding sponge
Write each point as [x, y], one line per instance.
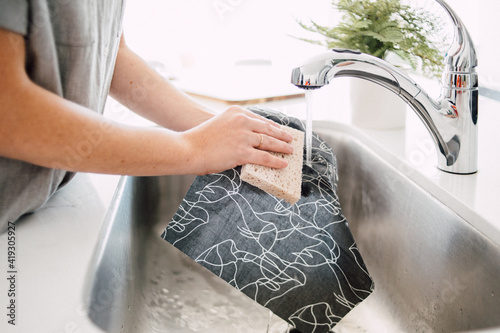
[283, 183]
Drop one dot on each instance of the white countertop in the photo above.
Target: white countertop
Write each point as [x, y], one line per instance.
[55, 245]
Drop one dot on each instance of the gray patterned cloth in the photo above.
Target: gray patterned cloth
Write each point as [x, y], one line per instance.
[300, 261]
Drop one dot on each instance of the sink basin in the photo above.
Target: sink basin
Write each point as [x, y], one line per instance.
[433, 271]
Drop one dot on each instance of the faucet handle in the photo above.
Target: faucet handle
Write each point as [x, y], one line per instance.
[461, 57]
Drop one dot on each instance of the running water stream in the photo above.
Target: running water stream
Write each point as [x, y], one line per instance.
[309, 95]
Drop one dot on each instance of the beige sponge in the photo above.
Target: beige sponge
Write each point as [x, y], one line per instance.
[282, 183]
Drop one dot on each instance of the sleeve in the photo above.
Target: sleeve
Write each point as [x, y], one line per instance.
[14, 15]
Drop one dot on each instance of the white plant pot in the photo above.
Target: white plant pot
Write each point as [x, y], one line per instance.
[376, 107]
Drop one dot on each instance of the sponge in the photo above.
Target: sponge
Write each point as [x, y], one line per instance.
[283, 183]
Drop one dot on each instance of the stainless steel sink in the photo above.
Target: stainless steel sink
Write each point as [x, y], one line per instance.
[433, 271]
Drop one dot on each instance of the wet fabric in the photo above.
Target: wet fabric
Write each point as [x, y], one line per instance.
[300, 261]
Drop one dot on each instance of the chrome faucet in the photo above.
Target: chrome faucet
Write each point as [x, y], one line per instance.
[451, 119]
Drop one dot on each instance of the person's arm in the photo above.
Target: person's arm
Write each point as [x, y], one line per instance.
[42, 128]
[138, 87]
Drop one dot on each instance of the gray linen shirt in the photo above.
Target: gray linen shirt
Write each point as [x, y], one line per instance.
[71, 48]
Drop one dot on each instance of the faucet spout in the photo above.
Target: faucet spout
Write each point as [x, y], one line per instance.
[451, 119]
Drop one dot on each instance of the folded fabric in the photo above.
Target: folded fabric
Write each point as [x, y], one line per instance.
[300, 261]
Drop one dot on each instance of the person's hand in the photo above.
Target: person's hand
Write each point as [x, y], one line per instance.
[236, 137]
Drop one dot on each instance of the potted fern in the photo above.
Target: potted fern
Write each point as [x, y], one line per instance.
[387, 29]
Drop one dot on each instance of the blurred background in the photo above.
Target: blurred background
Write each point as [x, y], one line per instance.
[242, 49]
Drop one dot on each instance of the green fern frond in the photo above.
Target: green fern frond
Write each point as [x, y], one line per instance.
[378, 27]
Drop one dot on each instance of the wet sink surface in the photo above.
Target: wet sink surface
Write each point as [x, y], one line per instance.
[433, 271]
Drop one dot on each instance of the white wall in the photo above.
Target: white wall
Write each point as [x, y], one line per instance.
[203, 33]
[200, 32]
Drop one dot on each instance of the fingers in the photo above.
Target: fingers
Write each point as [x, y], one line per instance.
[268, 127]
[268, 134]
[266, 159]
[237, 137]
[269, 137]
[265, 142]
[271, 129]
[259, 117]
[261, 141]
